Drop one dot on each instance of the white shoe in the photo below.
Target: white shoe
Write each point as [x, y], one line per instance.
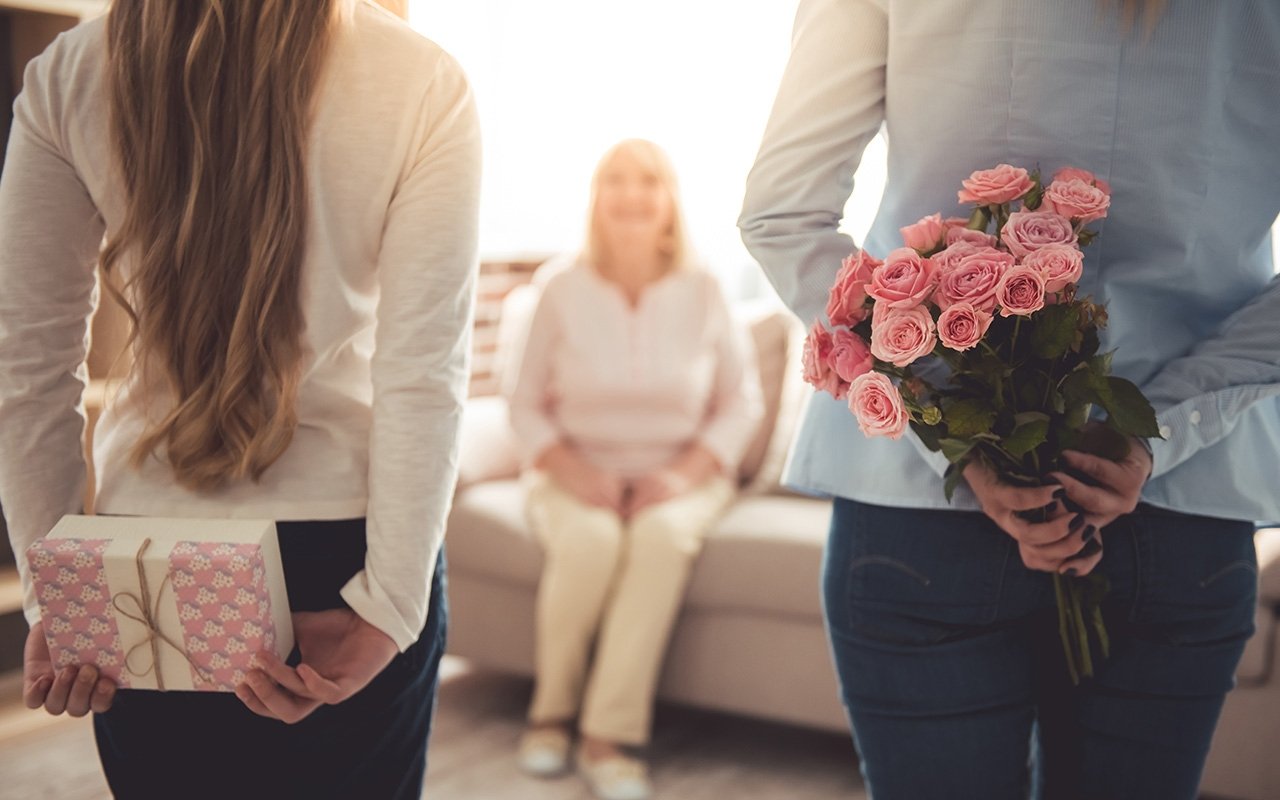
[544, 752]
[616, 777]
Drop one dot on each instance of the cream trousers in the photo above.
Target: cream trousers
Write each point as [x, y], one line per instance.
[616, 584]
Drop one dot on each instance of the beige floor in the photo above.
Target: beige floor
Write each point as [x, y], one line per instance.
[697, 755]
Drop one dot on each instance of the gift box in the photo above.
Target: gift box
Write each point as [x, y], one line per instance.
[168, 604]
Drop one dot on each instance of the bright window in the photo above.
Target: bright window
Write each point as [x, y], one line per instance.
[559, 81]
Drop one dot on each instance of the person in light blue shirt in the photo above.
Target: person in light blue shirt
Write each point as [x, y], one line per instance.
[942, 615]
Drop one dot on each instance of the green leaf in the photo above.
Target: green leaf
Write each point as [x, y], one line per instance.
[968, 417]
[1029, 435]
[928, 435]
[1031, 200]
[1054, 330]
[1101, 363]
[1129, 410]
[953, 476]
[1083, 387]
[955, 449]
[1057, 402]
[979, 219]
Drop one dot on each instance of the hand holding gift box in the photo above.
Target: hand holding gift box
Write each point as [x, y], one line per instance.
[168, 604]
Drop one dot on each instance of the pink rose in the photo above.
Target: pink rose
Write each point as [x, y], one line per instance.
[1060, 265]
[905, 280]
[977, 238]
[877, 404]
[1028, 231]
[902, 335]
[1076, 199]
[973, 278]
[962, 326]
[816, 359]
[1021, 292]
[863, 265]
[1074, 174]
[947, 260]
[925, 234]
[989, 187]
[850, 357]
[845, 303]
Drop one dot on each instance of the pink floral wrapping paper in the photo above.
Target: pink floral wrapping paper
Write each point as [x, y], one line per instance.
[220, 591]
[224, 607]
[75, 605]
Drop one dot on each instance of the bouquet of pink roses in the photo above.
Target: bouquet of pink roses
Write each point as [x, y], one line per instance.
[992, 297]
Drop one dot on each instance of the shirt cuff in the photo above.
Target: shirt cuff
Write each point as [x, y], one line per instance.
[1185, 429]
[376, 607]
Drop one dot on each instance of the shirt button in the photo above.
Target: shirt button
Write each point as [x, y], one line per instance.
[1165, 431]
[1195, 417]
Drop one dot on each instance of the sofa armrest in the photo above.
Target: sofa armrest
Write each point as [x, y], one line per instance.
[1268, 544]
[488, 445]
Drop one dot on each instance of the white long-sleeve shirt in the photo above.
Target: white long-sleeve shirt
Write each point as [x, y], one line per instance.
[387, 294]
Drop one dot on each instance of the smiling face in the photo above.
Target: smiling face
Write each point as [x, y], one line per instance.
[634, 204]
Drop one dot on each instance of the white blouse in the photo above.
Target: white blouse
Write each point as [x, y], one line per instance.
[630, 387]
[388, 295]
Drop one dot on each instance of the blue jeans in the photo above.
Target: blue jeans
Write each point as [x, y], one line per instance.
[209, 745]
[953, 674]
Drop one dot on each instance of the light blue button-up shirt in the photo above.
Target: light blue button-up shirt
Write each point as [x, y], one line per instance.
[1183, 120]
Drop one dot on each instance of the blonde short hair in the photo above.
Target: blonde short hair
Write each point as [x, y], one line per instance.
[675, 245]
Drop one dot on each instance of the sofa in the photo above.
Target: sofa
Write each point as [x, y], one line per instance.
[750, 638]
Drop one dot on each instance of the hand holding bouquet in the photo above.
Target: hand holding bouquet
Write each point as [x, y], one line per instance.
[993, 297]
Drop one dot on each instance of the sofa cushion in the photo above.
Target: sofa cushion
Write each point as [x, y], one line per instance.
[765, 555]
[488, 535]
[487, 446]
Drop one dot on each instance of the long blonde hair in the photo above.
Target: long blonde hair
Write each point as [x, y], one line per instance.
[210, 107]
[675, 247]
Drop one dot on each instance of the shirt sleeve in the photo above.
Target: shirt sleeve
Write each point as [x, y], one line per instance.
[51, 233]
[427, 269]
[829, 106]
[1201, 396]
[527, 393]
[736, 403]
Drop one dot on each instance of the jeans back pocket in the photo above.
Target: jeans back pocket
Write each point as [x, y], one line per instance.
[913, 576]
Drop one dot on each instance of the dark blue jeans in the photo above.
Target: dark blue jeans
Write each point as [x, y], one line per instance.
[953, 674]
[208, 745]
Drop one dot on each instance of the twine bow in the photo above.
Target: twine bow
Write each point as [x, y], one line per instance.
[147, 614]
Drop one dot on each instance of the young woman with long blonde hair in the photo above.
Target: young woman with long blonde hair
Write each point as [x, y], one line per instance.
[634, 401]
[288, 194]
